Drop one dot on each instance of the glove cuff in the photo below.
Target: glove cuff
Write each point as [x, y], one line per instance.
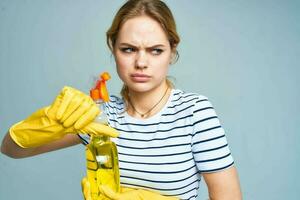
[13, 136]
[36, 130]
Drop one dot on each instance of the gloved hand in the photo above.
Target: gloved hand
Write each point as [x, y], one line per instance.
[125, 194]
[71, 112]
[86, 191]
[133, 194]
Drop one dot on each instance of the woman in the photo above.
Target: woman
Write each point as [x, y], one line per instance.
[167, 139]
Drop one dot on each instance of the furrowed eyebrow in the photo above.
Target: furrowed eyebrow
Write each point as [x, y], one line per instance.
[154, 46]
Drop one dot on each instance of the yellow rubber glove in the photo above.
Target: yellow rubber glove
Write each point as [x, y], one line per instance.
[71, 112]
[133, 194]
[86, 191]
[125, 194]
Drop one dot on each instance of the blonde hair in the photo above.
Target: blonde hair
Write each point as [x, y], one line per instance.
[157, 10]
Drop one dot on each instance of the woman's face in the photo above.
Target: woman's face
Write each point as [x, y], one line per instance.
[142, 52]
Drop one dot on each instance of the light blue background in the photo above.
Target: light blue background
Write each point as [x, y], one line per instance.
[243, 55]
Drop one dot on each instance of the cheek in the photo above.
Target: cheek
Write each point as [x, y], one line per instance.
[123, 61]
[166, 65]
[165, 71]
[122, 65]
[121, 69]
[161, 68]
[165, 58]
[162, 63]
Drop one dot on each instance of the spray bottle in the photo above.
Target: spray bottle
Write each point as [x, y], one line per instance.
[101, 152]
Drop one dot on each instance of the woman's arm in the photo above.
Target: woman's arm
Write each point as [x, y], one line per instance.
[11, 149]
[223, 185]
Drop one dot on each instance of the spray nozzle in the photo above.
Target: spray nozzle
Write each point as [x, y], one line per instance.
[100, 91]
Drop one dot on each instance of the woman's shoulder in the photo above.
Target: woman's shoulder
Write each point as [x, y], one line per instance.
[193, 100]
[182, 95]
[197, 105]
[184, 104]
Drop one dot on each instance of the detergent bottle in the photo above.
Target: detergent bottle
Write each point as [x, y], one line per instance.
[101, 152]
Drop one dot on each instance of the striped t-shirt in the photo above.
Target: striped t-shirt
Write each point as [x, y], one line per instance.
[168, 151]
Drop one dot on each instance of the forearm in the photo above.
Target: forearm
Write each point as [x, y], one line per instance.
[233, 192]
[223, 185]
[11, 149]
[226, 196]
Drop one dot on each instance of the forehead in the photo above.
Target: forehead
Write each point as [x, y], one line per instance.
[142, 30]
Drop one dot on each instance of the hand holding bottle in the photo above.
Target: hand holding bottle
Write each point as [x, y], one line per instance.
[133, 194]
[71, 112]
[125, 194]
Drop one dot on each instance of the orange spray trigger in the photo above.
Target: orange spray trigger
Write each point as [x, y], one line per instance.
[100, 91]
[94, 93]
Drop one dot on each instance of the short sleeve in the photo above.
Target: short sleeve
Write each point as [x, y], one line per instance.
[209, 144]
[85, 138]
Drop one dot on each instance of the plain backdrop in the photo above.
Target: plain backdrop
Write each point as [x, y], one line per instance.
[242, 55]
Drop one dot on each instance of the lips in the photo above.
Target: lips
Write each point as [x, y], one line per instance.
[137, 77]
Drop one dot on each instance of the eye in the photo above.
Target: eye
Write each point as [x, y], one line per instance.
[127, 50]
[156, 51]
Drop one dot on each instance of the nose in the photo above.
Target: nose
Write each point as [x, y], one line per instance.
[141, 60]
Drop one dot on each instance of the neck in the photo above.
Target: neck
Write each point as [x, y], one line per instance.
[146, 104]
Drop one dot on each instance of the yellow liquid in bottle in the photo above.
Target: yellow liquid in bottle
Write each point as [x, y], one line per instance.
[102, 165]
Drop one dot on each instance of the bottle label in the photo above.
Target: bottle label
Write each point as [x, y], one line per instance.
[101, 159]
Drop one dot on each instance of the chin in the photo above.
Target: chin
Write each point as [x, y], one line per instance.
[140, 87]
